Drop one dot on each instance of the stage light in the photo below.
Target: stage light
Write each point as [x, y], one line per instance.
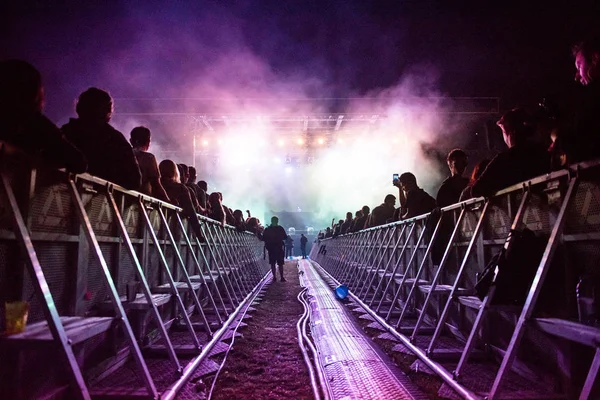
[300, 141]
[320, 140]
[281, 142]
[205, 143]
[340, 141]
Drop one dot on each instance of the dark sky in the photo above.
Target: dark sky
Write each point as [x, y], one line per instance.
[152, 49]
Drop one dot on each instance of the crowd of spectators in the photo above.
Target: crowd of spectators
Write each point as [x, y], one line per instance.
[90, 144]
[537, 143]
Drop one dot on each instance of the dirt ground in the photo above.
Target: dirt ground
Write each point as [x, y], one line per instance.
[266, 363]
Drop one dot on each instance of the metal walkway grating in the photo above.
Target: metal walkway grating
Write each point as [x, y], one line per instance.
[352, 366]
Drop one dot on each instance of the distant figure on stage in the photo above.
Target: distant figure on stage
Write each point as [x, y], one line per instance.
[303, 241]
[273, 236]
[289, 247]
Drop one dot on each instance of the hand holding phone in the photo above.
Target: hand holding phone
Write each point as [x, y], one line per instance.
[395, 179]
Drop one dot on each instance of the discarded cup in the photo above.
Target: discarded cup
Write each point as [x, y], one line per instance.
[16, 316]
[131, 290]
[341, 292]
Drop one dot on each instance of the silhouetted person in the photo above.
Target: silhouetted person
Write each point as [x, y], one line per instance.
[357, 215]
[384, 212]
[303, 241]
[239, 222]
[452, 187]
[347, 223]
[202, 194]
[549, 126]
[583, 141]
[24, 128]
[216, 211]
[252, 225]
[477, 171]
[229, 218]
[178, 194]
[191, 183]
[359, 224]
[524, 159]
[140, 140]
[414, 201]
[109, 155]
[185, 176]
[274, 236]
[289, 247]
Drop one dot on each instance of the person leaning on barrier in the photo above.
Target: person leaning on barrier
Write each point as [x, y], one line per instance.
[23, 127]
[582, 141]
[384, 212]
[239, 222]
[477, 171]
[524, 159]
[451, 189]
[202, 194]
[347, 223]
[216, 211]
[140, 141]
[274, 237]
[414, 201]
[108, 153]
[357, 215]
[360, 222]
[179, 195]
[337, 229]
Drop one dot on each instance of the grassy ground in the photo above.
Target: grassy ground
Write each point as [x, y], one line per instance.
[266, 363]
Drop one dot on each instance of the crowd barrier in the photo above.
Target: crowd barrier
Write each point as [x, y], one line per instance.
[417, 277]
[112, 278]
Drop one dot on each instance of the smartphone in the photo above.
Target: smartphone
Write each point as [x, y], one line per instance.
[395, 178]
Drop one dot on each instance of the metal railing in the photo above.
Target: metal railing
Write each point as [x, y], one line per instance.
[417, 278]
[99, 257]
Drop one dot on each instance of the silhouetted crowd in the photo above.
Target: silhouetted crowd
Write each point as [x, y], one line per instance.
[537, 143]
[90, 144]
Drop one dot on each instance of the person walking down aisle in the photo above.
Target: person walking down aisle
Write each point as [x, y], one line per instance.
[289, 247]
[303, 241]
[274, 236]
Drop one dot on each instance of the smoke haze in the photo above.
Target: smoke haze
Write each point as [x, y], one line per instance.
[167, 68]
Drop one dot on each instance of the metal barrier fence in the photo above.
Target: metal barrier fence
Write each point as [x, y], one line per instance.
[417, 278]
[111, 276]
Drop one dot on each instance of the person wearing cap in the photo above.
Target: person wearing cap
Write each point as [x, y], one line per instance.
[383, 212]
[274, 236]
[524, 159]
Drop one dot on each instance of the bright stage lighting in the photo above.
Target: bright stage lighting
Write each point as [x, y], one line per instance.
[280, 142]
[320, 140]
[300, 141]
[205, 143]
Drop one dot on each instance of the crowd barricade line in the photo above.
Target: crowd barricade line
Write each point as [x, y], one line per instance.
[419, 276]
[87, 257]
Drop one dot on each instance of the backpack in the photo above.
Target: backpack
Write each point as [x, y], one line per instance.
[517, 267]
